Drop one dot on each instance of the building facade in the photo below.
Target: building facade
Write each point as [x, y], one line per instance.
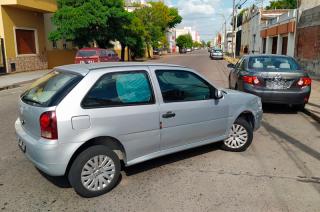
[308, 36]
[24, 29]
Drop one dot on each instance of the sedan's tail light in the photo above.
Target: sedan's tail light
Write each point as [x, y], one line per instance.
[252, 80]
[304, 81]
[48, 125]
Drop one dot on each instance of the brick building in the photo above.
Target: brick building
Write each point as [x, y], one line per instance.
[308, 36]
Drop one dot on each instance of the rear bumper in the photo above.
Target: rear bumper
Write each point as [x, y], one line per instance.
[280, 96]
[216, 56]
[49, 156]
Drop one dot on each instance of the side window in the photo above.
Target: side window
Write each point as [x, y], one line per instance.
[179, 86]
[120, 89]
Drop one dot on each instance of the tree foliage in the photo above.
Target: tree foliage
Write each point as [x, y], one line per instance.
[184, 41]
[156, 19]
[282, 4]
[100, 21]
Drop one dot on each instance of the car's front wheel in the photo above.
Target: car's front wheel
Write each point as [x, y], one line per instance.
[95, 171]
[240, 136]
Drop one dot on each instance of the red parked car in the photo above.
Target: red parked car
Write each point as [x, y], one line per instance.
[96, 55]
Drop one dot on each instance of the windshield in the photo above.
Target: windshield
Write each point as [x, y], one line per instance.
[272, 63]
[50, 89]
[86, 53]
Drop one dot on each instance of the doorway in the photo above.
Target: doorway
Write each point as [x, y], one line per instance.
[284, 45]
[274, 45]
[3, 69]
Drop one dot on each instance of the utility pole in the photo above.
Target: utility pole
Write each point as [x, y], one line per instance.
[233, 27]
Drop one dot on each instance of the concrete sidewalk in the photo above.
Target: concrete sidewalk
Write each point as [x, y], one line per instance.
[16, 79]
[313, 107]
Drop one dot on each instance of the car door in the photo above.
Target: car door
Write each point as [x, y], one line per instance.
[122, 104]
[188, 111]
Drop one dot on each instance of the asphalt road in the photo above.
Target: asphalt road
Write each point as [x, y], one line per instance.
[279, 172]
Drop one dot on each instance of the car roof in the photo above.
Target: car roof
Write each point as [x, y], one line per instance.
[266, 55]
[83, 69]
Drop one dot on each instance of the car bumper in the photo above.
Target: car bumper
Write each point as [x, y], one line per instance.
[281, 96]
[216, 56]
[48, 156]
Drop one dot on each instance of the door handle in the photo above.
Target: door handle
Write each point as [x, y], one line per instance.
[168, 115]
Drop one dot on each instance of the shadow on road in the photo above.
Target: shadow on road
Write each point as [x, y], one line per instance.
[291, 140]
[61, 182]
[278, 109]
[172, 158]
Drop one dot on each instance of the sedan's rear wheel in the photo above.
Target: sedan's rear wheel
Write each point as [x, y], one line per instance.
[240, 136]
[95, 171]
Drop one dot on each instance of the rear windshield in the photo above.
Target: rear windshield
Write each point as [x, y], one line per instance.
[50, 89]
[272, 63]
[217, 51]
[86, 53]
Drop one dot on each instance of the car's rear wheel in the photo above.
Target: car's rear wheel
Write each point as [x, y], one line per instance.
[240, 136]
[95, 171]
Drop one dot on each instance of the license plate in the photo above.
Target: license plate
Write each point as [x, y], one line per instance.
[22, 145]
[278, 84]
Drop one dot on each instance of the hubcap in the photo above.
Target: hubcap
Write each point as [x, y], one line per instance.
[97, 173]
[238, 136]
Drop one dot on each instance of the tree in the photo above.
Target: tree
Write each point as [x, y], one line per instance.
[209, 44]
[203, 44]
[156, 19]
[81, 21]
[184, 41]
[282, 4]
[100, 21]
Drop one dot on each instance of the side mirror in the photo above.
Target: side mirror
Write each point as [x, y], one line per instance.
[218, 94]
[230, 65]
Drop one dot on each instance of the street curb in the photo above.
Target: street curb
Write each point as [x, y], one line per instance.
[312, 115]
[16, 85]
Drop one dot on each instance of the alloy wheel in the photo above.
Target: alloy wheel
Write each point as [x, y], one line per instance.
[97, 173]
[238, 137]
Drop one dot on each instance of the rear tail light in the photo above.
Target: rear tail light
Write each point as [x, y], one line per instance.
[304, 81]
[48, 125]
[252, 80]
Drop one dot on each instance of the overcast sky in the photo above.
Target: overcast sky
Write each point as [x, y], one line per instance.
[203, 15]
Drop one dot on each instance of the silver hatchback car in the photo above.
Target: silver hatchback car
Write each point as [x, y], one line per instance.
[82, 120]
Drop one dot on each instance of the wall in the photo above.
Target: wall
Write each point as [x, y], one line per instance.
[308, 4]
[308, 41]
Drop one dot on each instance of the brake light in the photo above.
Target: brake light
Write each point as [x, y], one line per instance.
[252, 80]
[48, 125]
[304, 81]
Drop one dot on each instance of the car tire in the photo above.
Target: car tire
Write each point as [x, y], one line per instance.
[240, 136]
[87, 174]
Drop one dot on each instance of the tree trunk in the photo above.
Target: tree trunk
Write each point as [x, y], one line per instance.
[148, 49]
[128, 51]
[123, 48]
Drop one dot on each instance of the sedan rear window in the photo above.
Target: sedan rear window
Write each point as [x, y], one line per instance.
[272, 63]
[89, 53]
[50, 89]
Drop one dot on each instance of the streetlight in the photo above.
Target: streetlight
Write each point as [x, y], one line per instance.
[225, 43]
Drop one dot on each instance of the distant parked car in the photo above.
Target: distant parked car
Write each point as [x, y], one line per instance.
[157, 51]
[81, 120]
[275, 78]
[189, 50]
[96, 55]
[182, 50]
[216, 54]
